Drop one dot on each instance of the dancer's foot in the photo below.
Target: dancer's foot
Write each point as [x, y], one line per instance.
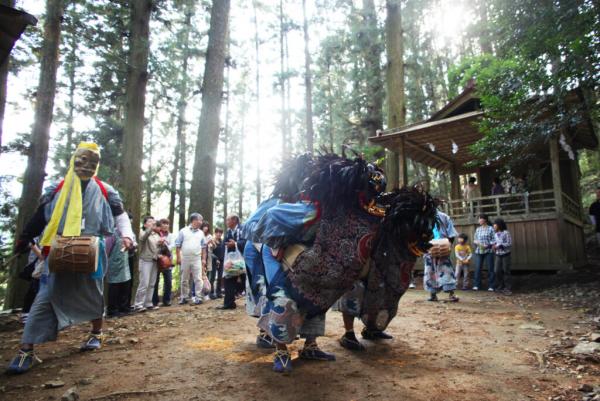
[22, 362]
[349, 341]
[313, 352]
[375, 335]
[452, 298]
[282, 361]
[263, 340]
[93, 342]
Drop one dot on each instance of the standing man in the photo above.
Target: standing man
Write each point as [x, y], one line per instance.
[79, 206]
[233, 241]
[191, 257]
[595, 214]
[150, 241]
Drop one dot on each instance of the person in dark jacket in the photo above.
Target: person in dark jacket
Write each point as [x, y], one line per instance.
[216, 274]
[233, 240]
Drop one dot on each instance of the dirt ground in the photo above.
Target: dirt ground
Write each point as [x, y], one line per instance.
[486, 347]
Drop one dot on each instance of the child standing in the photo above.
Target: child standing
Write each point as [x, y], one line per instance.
[502, 246]
[463, 254]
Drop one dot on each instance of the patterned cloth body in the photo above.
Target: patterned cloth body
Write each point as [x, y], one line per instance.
[288, 302]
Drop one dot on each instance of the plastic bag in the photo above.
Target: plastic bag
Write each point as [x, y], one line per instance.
[234, 264]
[206, 287]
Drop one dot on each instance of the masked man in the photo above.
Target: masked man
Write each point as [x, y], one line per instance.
[79, 206]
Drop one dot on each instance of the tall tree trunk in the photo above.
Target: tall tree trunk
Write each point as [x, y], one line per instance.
[241, 166]
[71, 67]
[179, 158]
[227, 149]
[3, 80]
[173, 181]
[371, 52]
[282, 82]
[288, 94]
[258, 115]
[225, 182]
[150, 170]
[241, 151]
[37, 156]
[202, 194]
[395, 84]
[329, 106]
[310, 131]
[182, 197]
[133, 131]
[485, 40]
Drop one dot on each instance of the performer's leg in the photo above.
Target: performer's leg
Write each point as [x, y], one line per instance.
[349, 340]
[282, 362]
[310, 330]
[348, 322]
[94, 340]
[41, 327]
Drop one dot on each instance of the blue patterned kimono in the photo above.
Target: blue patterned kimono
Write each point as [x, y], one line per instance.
[439, 273]
[269, 291]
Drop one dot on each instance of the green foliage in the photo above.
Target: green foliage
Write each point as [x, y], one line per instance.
[545, 51]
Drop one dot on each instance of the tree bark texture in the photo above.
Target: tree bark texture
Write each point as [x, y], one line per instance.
[133, 132]
[71, 69]
[150, 171]
[3, 80]
[258, 115]
[37, 156]
[485, 40]
[227, 149]
[202, 193]
[371, 52]
[282, 83]
[396, 115]
[181, 122]
[310, 130]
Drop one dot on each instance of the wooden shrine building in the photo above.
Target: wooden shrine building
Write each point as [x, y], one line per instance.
[545, 220]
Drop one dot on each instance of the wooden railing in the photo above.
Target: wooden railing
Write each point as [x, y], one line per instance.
[535, 204]
[571, 208]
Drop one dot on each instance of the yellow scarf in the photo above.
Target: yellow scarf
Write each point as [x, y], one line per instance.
[70, 197]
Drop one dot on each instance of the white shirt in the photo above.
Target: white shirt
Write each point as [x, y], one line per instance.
[191, 242]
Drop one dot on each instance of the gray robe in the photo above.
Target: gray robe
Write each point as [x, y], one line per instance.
[66, 299]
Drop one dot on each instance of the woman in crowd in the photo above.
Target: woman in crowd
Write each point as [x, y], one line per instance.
[502, 246]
